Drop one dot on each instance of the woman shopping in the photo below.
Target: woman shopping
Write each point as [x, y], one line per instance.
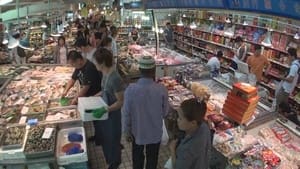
[108, 132]
[193, 151]
[61, 51]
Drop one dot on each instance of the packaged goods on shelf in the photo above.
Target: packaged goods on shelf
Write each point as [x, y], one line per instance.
[241, 103]
[258, 156]
[177, 92]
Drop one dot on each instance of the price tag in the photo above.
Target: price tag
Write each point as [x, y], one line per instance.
[25, 110]
[47, 133]
[23, 120]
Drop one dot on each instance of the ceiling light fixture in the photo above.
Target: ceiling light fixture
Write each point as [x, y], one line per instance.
[180, 23]
[297, 36]
[43, 25]
[245, 23]
[3, 2]
[193, 25]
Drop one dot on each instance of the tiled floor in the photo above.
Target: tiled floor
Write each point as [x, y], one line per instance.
[96, 157]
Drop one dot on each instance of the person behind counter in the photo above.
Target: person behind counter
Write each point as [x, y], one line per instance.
[194, 150]
[108, 132]
[134, 35]
[87, 75]
[285, 110]
[61, 51]
[168, 36]
[257, 63]
[213, 64]
[241, 52]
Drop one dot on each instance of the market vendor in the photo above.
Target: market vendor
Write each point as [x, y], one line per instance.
[257, 62]
[193, 151]
[240, 53]
[134, 35]
[87, 75]
[213, 64]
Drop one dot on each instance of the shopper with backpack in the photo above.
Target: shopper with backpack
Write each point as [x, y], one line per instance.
[290, 81]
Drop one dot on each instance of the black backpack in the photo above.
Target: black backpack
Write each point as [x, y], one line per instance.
[21, 52]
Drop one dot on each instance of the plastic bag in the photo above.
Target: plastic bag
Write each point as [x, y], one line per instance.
[165, 135]
[168, 164]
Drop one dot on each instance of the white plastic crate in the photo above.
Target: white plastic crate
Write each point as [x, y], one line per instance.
[14, 153]
[62, 139]
[86, 104]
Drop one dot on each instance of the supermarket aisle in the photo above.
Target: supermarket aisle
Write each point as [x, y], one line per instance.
[96, 157]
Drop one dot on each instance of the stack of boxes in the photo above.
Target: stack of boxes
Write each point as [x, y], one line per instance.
[241, 102]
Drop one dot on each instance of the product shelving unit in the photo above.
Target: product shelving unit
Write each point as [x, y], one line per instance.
[209, 40]
[36, 37]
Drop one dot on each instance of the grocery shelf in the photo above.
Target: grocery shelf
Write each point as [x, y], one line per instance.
[218, 44]
[266, 85]
[214, 33]
[269, 47]
[278, 63]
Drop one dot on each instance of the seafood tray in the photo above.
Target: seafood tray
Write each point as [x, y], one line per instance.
[11, 114]
[55, 103]
[41, 141]
[34, 109]
[62, 114]
[14, 137]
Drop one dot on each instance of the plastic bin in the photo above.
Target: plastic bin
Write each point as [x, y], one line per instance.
[15, 167]
[62, 139]
[38, 166]
[83, 165]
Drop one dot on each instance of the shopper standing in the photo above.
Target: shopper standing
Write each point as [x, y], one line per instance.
[18, 54]
[257, 63]
[107, 43]
[108, 132]
[145, 106]
[114, 35]
[241, 52]
[87, 51]
[87, 75]
[61, 51]
[193, 151]
[168, 35]
[289, 82]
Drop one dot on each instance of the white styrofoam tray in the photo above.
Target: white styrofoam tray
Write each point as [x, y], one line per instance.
[62, 139]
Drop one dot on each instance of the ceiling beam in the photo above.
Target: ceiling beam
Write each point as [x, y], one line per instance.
[30, 10]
